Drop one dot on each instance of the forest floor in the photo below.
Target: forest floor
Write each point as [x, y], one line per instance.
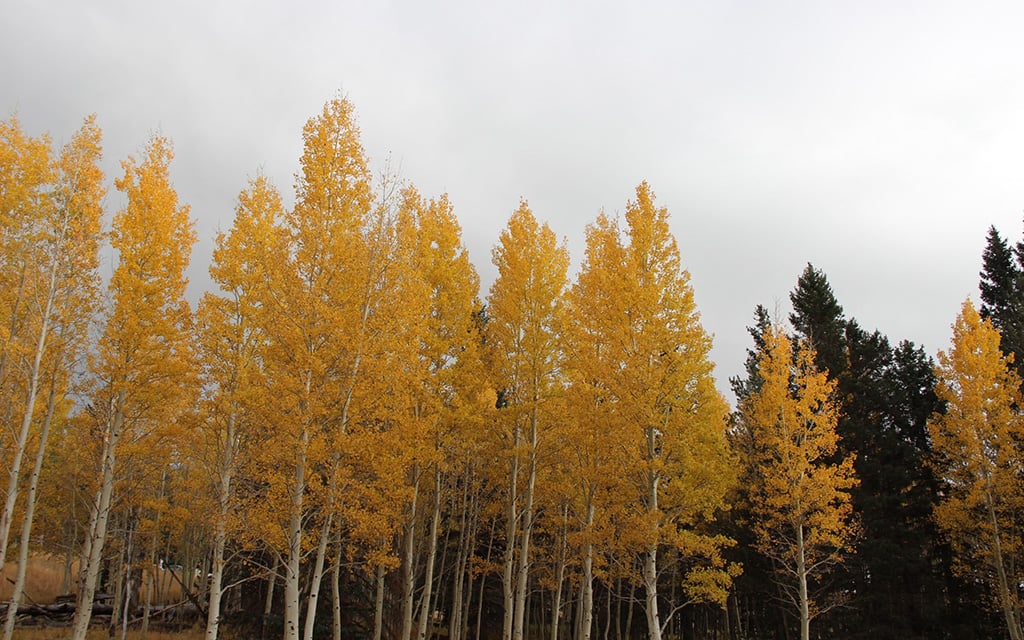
[97, 633]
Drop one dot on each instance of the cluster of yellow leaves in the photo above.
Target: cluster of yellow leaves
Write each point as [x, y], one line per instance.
[978, 443]
[647, 424]
[800, 494]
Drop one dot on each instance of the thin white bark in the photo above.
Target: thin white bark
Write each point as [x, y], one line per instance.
[83, 609]
[425, 607]
[220, 535]
[511, 526]
[378, 608]
[527, 530]
[587, 583]
[651, 555]
[456, 623]
[408, 560]
[318, 577]
[14, 472]
[294, 557]
[1006, 600]
[556, 605]
[336, 590]
[801, 573]
[268, 602]
[30, 506]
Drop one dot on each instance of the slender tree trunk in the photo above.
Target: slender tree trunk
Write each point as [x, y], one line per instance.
[336, 589]
[409, 560]
[618, 609]
[428, 583]
[483, 583]
[127, 572]
[318, 575]
[220, 534]
[1006, 599]
[35, 372]
[294, 558]
[459, 576]
[83, 609]
[471, 542]
[651, 555]
[587, 585]
[148, 579]
[378, 605]
[522, 581]
[629, 610]
[556, 603]
[511, 527]
[30, 506]
[118, 588]
[268, 601]
[801, 574]
[651, 588]
[147, 608]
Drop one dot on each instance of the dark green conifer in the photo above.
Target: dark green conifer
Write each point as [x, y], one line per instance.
[1002, 293]
[818, 318]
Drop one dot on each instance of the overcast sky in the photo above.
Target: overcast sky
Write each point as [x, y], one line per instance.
[876, 140]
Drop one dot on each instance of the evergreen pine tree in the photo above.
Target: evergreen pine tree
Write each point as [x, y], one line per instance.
[1002, 293]
[818, 319]
[742, 387]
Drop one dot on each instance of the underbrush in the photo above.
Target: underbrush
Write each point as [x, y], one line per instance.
[97, 633]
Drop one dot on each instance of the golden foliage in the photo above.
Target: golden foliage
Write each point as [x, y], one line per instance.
[977, 442]
[803, 515]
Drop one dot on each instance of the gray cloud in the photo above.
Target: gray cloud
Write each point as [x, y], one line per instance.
[876, 140]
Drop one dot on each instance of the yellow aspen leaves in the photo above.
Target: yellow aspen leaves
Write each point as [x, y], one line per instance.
[977, 444]
[801, 501]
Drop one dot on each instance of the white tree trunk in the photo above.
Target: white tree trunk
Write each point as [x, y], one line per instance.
[1006, 597]
[425, 606]
[83, 609]
[336, 590]
[378, 605]
[317, 578]
[293, 559]
[26, 523]
[651, 555]
[508, 592]
[587, 584]
[409, 561]
[556, 605]
[801, 574]
[14, 471]
[220, 535]
[527, 529]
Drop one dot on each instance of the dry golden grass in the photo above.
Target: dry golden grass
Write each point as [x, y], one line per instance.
[44, 579]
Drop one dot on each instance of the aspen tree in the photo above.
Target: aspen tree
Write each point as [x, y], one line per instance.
[449, 354]
[144, 367]
[31, 247]
[801, 501]
[316, 308]
[63, 307]
[232, 341]
[525, 305]
[659, 378]
[977, 444]
[594, 435]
